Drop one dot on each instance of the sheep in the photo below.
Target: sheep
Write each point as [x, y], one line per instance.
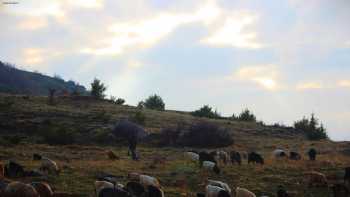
[294, 156]
[191, 155]
[340, 190]
[153, 191]
[99, 185]
[314, 178]
[113, 192]
[43, 189]
[279, 153]
[255, 158]
[18, 189]
[204, 156]
[281, 192]
[235, 157]
[13, 169]
[2, 171]
[347, 175]
[64, 194]
[242, 192]
[312, 154]
[215, 191]
[48, 166]
[144, 180]
[36, 157]
[220, 184]
[135, 188]
[223, 156]
[111, 155]
[211, 166]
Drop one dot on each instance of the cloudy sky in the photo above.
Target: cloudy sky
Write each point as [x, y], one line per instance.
[282, 59]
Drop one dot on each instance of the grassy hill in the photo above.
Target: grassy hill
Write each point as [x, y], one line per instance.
[13, 80]
[84, 159]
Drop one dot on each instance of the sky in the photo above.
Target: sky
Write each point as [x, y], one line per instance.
[281, 59]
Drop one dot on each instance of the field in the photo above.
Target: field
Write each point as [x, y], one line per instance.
[81, 163]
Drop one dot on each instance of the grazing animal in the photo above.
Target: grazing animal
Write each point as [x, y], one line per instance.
[220, 184]
[215, 191]
[113, 192]
[242, 192]
[235, 157]
[340, 190]
[135, 188]
[200, 195]
[294, 156]
[43, 189]
[64, 194]
[2, 171]
[111, 155]
[99, 185]
[279, 153]
[204, 156]
[132, 133]
[312, 154]
[211, 166]
[18, 189]
[49, 167]
[13, 170]
[254, 157]
[223, 156]
[146, 180]
[192, 156]
[347, 175]
[37, 157]
[281, 192]
[316, 179]
[153, 191]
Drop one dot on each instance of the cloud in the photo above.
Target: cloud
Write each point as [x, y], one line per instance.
[95, 4]
[32, 23]
[309, 86]
[343, 83]
[266, 76]
[232, 33]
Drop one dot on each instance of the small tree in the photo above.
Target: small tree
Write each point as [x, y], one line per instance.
[206, 111]
[246, 115]
[119, 101]
[311, 128]
[98, 89]
[154, 102]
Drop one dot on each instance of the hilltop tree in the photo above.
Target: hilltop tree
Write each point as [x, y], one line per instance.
[98, 89]
[206, 111]
[311, 128]
[246, 115]
[154, 102]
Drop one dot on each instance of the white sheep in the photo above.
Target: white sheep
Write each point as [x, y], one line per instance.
[211, 166]
[220, 184]
[146, 180]
[192, 156]
[215, 191]
[49, 166]
[242, 192]
[279, 153]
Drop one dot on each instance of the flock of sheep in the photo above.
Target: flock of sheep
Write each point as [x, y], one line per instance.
[141, 185]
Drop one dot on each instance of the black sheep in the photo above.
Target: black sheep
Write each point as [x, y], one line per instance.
[113, 192]
[154, 191]
[347, 175]
[235, 157]
[135, 188]
[312, 154]
[204, 156]
[254, 157]
[14, 170]
[294, 156]
[340, 190]
[37, 157]
[281, 192]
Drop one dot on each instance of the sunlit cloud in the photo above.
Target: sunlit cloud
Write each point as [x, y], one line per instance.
[233, 33]
[266, 76]
[309, 86]
[33, 23]
[96, 4]
[344, 83]
[33, 56]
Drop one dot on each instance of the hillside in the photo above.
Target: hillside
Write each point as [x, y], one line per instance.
[13, 80]
[84, 160]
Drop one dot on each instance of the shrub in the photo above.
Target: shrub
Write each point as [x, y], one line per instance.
[98, 89]
[154, 102]
[57, 135]
[139, 118]
[206, 111]
[206, 134]
[311, 128]
[119, 101]
[246, 115]
[170, 136]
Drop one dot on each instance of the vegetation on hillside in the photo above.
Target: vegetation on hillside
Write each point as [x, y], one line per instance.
[153, 102]
[207, 112]
[312, 128]
[98, 89]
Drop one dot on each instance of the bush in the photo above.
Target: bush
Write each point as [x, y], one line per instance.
[98, 89]
[170, 136]
[311, 128]
[246, 115]
[57, 135]
[119, 101]
[206, 134]
[207, 112]
[154, 102]
[139, 118]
